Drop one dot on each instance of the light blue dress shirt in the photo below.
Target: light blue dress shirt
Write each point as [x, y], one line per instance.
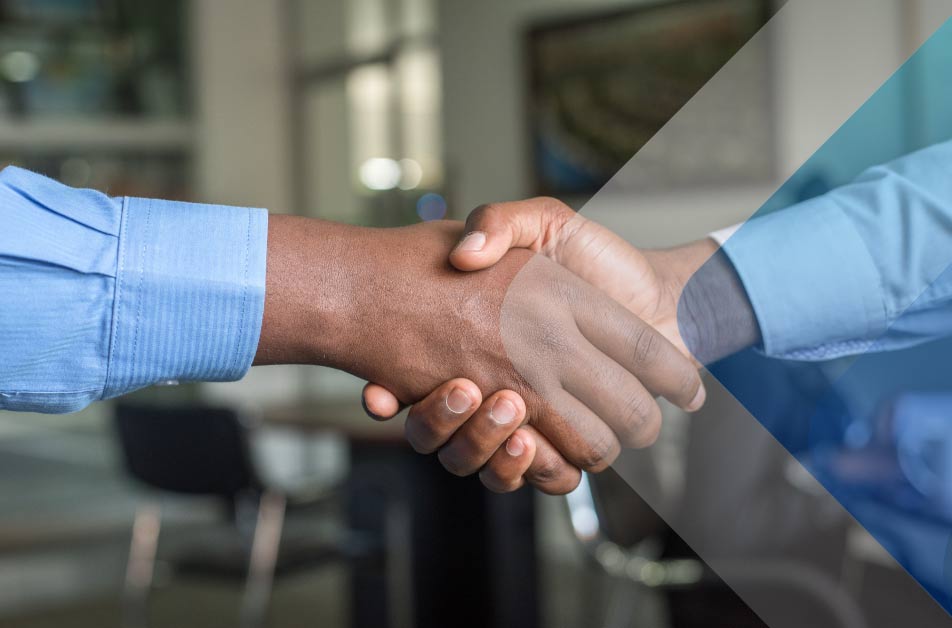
[102, 296]
[865, 267]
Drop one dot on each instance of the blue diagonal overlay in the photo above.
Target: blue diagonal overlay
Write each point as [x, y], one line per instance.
[874, 426]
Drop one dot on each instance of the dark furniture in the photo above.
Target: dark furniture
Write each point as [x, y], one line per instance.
[200, 450]
[456, 554]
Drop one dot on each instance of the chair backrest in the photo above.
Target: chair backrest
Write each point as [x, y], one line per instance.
[197, 450]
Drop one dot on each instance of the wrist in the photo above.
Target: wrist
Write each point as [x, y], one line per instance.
[311, 291]
[674, 267]
[714, 315]
[381, 304]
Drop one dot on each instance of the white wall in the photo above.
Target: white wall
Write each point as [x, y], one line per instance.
[484, 116]
[241, 99]
[242, 138]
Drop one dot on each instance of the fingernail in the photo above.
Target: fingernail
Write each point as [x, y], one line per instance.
[514, 446]
[503, 411]
[473, 243]
[458, 401]
[698, 400]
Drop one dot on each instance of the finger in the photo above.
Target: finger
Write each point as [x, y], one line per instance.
[432, 421]
[643, 352]
[617, 398]
[505, 470]
[484, 433]
[550, 472]
[578, 434]
[379, 403]
[491, 230]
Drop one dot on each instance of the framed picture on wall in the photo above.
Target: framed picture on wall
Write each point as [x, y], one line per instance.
[601, 86]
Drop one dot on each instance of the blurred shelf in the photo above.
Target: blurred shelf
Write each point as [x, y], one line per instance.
[102, 134]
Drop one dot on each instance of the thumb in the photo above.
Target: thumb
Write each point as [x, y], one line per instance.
[491, 230]
[379, 403]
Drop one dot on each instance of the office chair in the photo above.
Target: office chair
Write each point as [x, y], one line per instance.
[198, 450]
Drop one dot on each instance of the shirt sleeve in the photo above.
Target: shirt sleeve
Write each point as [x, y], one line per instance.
[862, 268]
[103, 296]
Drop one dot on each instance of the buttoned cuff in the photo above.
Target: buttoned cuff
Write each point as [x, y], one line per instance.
[189, 293]
[811, 281]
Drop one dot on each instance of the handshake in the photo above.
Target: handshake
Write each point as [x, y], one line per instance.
[531, 341]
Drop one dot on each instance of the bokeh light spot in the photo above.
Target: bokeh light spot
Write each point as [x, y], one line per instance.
[431, 206]
[19, 66]
[380, 173]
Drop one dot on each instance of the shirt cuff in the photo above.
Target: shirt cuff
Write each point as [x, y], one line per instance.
[723, 235]
[811, 281]
[189, 293]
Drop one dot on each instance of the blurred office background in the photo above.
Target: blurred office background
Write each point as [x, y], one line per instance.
[380, 112]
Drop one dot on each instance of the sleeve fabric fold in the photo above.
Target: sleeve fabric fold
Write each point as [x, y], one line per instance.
[103, 296]
[862, 268]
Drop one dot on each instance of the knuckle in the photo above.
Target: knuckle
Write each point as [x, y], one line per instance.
[497, 484]
[645, 344]
[555, 207]
[482, 213]
[547, 470]
[556, 216]
[649, 435]
[454, 463]
[639, 420]
[598, 454]
[566, 484]
[552, 338]
[421, 436]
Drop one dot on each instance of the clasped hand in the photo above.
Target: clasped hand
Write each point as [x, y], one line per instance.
[590, 329]
[571, 345]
